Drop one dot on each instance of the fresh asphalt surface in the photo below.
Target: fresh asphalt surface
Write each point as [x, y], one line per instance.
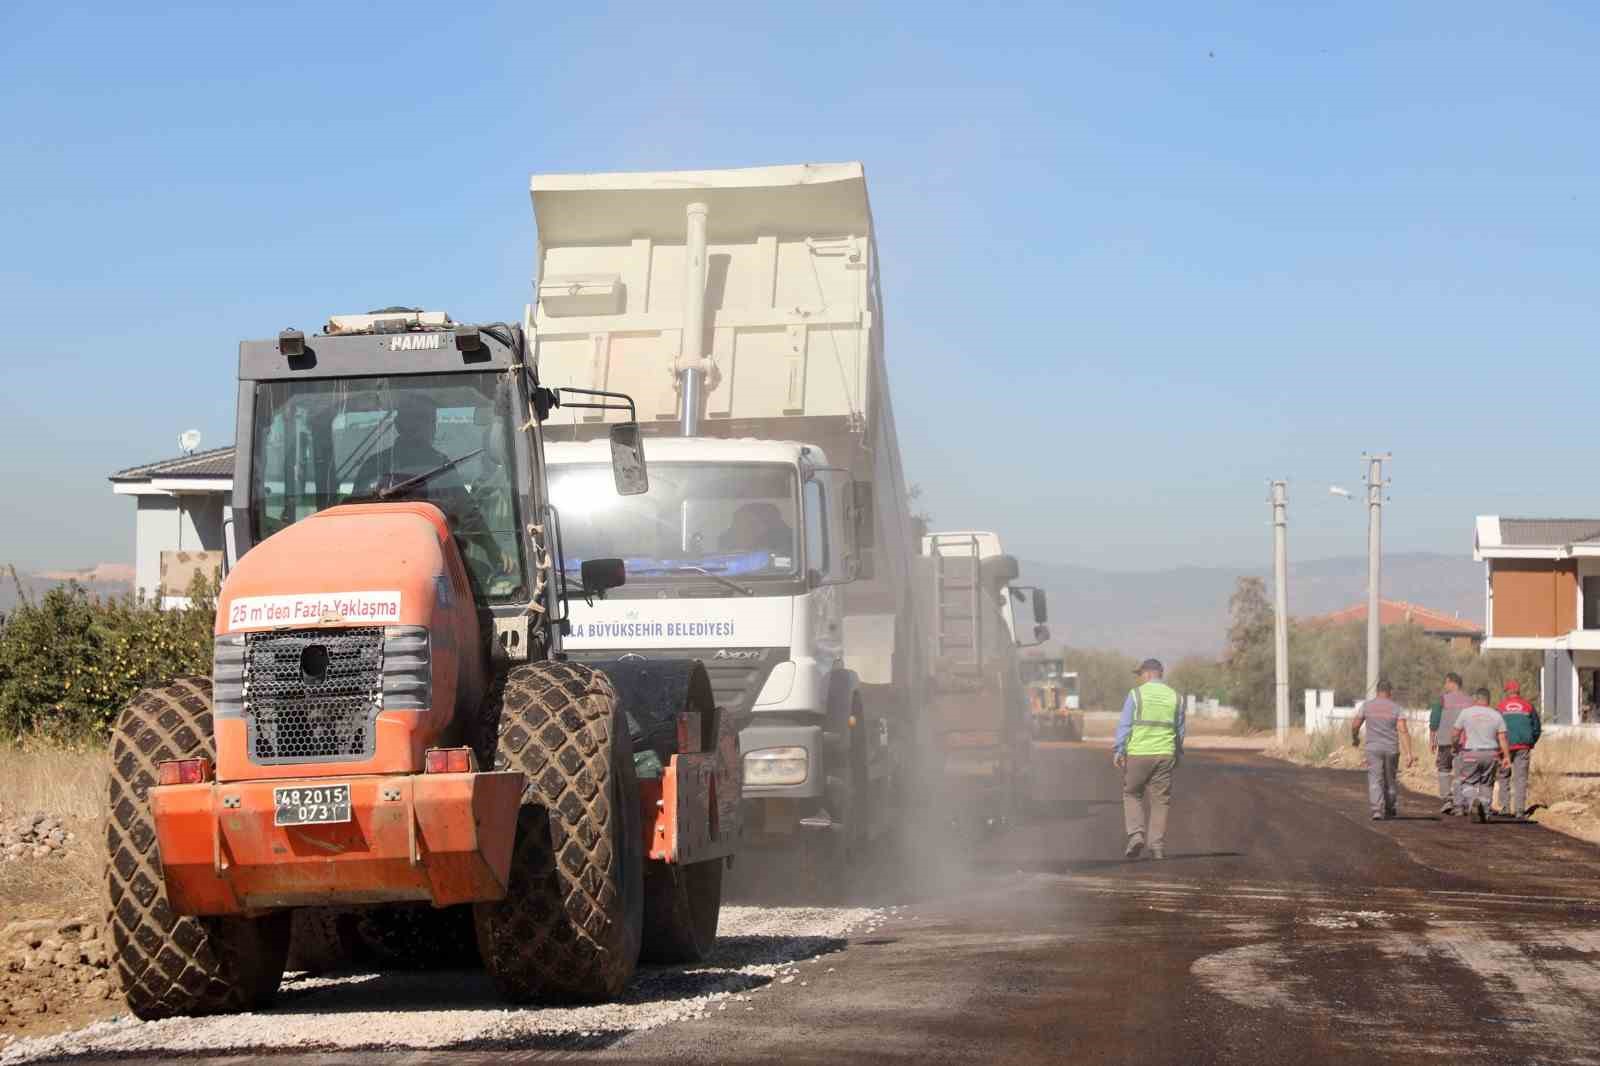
[1284, 927]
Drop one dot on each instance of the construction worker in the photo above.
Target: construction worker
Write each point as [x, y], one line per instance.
[1480, 741]
[1148, 746]
[1441, 738]
[1522, 733]
[1387, 738]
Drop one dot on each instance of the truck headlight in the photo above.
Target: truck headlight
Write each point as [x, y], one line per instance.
[777, 766]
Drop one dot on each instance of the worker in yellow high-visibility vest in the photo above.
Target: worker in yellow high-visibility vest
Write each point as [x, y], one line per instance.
[1148, 746]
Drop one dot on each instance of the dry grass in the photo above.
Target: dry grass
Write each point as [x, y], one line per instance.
[1553, 759]
[70, 783]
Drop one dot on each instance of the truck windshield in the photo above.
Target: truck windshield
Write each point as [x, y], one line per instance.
[1042, 669]
[321, 442]
[730, 519]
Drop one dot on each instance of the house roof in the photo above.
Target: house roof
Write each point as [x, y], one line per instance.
[1547, 532]
[213, 463]
[1399, 612]
[1535, 538]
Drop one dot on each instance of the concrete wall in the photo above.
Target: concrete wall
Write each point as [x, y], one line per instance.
[172, 523]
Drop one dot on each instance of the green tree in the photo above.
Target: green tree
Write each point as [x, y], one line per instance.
[1104, 677]
[1206, 678]
[1249, 662]
[69, 662]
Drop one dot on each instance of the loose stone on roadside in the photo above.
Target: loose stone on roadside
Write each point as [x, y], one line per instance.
[36, 836]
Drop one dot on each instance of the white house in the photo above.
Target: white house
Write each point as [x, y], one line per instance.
[1542, 589]
[180, 506]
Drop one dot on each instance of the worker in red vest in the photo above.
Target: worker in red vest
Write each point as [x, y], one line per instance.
[1522, 733]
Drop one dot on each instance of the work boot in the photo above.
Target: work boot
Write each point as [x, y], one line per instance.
[1158, 851]
[1378, 816]
[1448, 808]
[1478, 813]
[1134, 849]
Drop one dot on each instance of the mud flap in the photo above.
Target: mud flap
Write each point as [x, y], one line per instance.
[687, 750]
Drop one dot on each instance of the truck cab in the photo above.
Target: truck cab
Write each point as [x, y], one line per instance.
[736, 556]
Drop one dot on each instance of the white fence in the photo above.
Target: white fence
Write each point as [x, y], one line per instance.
[1322, 715]
[1195, 707]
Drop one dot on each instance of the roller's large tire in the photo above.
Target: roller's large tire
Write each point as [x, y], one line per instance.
[167, 964]
[681, 908]
[570, 926]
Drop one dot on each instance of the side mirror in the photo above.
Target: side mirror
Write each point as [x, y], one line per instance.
[861, 504]
[601, 575]
[1041, 607]
[627, 460]
[1041, 633]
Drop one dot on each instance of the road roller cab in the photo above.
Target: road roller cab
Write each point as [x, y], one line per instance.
[389, 720]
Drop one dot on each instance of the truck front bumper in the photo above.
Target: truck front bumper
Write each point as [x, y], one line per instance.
[444, 838]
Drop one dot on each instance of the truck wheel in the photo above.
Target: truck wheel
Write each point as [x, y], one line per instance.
[569, 928]
[169, 964]
[681, 907]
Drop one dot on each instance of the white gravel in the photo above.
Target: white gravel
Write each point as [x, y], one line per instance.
[757, 947]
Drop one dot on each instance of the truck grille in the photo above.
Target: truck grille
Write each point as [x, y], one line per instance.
[735, 683]
[312, 694]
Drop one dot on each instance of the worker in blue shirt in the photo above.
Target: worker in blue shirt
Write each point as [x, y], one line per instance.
[1147, 749]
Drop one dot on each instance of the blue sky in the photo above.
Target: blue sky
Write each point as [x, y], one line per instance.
[1136, 261]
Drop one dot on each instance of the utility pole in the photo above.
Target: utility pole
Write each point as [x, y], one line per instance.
[1375, 486]
[1280, 619]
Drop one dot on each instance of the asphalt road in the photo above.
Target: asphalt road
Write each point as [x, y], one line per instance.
[1284, 927]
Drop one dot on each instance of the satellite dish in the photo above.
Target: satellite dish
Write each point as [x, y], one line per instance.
[189, 440]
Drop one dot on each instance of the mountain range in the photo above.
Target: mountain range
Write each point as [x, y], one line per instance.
[106, 580]
[1184, 610]
[1165, 613]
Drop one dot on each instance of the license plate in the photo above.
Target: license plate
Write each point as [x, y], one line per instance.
[311, 804]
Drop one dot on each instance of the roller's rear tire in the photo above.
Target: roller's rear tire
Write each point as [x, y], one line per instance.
[681, 907]
[167, 964]
[569, 929]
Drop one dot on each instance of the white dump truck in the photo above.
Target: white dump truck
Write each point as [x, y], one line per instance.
[742, 309]
[977, 619]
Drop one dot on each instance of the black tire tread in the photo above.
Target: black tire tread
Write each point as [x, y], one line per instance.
[168, 964]
[562, 934]
[681, 905]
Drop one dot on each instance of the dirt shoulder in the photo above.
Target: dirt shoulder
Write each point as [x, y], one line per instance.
[1566, 803]
[54, 950]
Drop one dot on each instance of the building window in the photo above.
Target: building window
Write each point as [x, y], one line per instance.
[1591, 602]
